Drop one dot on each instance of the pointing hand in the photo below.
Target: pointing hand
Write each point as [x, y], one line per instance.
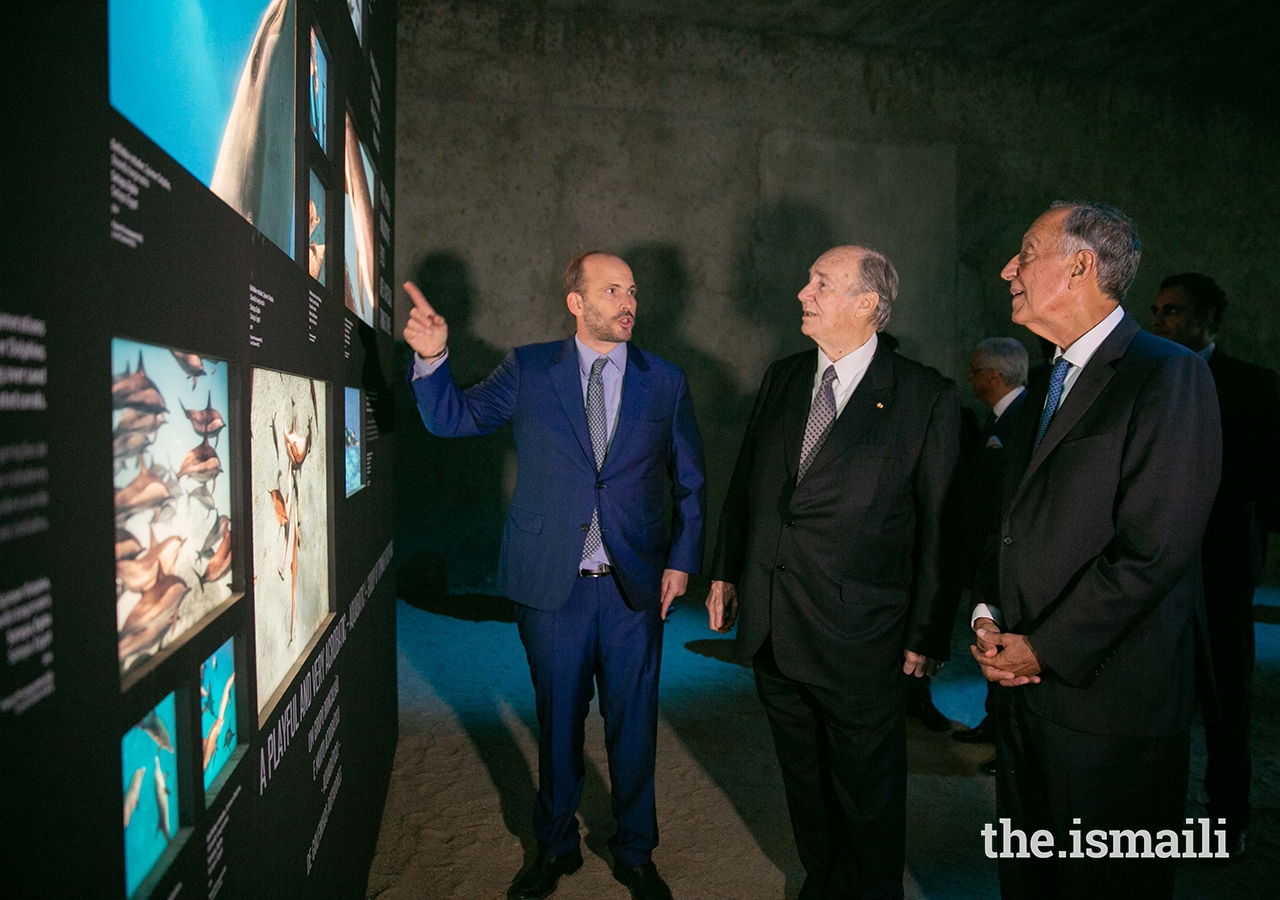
[426, 331]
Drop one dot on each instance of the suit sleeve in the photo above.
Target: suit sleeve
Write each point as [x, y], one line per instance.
[1170, 467]
[449, 411]
[934, 593]
[730, 556]
[688, 486]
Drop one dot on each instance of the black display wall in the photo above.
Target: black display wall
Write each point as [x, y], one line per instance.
[197, 697]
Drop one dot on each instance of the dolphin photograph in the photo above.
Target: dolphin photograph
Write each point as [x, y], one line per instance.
[316, 230]
[359, 292]
[218, 710]
[172, 491]
[319, 91]
[352, 432]
[149, 767]
[291, 487]
[212, 83]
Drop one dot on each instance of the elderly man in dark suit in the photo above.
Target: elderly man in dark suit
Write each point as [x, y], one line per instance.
[1091, 596]
[998, 375]
[831, 545]
[1189, 309]
[599, 426]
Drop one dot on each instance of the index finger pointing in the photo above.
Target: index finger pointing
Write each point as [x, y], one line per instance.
[419, 299]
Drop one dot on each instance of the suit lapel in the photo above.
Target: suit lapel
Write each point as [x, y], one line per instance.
[1095, 376]
[567, 380]
[863, 413]
[796, 399]
[635, 396]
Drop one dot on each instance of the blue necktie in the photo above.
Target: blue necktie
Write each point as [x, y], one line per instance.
[1056, 379]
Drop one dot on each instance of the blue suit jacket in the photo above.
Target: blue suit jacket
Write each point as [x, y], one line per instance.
[537, 388]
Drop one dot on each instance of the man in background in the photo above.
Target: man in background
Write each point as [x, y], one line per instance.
[998, 375]
[1189, 309]
[832, 537]
[598, 424]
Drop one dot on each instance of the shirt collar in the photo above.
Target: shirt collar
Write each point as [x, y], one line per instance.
[851, 363]
[587, 356]
[1207, 351]
[1006, 401]
[1080, 352]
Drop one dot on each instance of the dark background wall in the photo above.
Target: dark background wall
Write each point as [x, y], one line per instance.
[721, 148]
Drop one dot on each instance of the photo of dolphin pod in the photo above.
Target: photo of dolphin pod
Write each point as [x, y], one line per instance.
[172, 494]
[212, 83]
[291, 486]
[151, 805]
[218, 710]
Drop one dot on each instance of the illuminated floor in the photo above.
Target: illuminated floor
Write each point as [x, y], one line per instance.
[456, 825]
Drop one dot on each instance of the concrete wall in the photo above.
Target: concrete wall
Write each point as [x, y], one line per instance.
[721, 163]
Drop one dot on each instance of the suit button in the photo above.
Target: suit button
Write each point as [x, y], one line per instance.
[586, 527]
[788, 523]
[599, 485]
[1007, 540]
[780, 568]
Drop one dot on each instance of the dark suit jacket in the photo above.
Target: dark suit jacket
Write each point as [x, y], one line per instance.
[538, 389]
[845, 570]
[983, 486]
[1098, 559]
[1249, 397]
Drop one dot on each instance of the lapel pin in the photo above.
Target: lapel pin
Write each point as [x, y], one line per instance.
[879, 406]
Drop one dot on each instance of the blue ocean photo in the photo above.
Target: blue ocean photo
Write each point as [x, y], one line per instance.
[151, 804]
[211, 82]
[352, 440]
[319, 92]
[316, 230]
[218, 710]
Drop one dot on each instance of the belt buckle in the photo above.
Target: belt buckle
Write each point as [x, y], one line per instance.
[595, 573]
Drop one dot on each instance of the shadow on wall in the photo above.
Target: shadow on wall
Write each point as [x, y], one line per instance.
[450, 492]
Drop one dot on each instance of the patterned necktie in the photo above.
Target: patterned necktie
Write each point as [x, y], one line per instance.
[821, 415]
[599, 428]
[1056, 380]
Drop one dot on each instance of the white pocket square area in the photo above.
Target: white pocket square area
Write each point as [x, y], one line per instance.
[994, 443]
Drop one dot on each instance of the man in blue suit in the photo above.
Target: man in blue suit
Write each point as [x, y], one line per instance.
[586, 555]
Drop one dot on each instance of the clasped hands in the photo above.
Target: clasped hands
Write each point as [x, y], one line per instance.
[722, 613]
[1004, 658]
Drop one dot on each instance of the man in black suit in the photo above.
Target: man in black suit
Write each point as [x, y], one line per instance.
[831, 544]
[998, 375]
[1096, 573]
[1189, 309]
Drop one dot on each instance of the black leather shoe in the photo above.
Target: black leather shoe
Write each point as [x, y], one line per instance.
[988, 767]
[982, 733]
[928, 714]
[644, 882]
[539, 880]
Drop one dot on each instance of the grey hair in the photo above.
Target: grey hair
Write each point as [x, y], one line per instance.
[877, 274]
[1110, 234]
[1007, 356]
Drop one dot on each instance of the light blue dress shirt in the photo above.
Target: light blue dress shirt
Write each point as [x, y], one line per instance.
[612, 378]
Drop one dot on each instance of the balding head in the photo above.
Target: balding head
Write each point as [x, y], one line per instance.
[850, 292]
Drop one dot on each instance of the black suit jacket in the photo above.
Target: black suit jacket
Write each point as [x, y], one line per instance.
[1098, 557]
[983, 486]
[1249, 397]
[846, 569]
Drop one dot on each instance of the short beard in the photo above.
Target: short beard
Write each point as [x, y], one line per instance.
[600, 326]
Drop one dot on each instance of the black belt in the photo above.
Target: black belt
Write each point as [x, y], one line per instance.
[596, 572]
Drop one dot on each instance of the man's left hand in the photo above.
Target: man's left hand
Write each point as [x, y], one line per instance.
[1014, 664]
[918, 664]
[674, 583]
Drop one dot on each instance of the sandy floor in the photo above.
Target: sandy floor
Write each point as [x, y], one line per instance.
[456, 825]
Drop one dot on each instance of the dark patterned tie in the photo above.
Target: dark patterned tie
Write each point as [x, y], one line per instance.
[599, 427]
[1056, 379]
[821, 415]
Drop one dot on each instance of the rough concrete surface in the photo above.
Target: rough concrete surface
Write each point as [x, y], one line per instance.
[457, 818]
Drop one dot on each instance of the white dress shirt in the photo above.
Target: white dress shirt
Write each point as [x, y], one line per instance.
[850, 369]
[1078, 354]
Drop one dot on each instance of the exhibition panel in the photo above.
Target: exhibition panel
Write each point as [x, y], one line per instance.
[196, 603]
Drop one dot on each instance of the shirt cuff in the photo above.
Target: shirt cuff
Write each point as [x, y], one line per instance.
[422, 368]
[990, 612]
